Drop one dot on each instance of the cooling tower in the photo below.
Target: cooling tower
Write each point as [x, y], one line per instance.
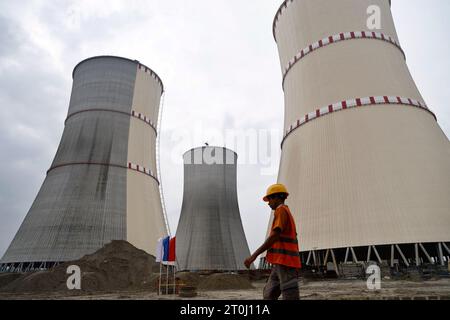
[364, 159]
[102, 184]
[210, 235]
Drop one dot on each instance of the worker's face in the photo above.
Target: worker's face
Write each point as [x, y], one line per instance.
[274, 202]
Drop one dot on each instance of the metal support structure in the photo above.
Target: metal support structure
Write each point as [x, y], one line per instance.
[314, 258]
[260, 263]
[446, 248]
[441, 255]
[392, 255]
[355, 259]
[326, 257]
[406, 258]
[346, 255]
[376, 253]
[426, 253]
[416, 250]
[368, 253]
[334, 262]
[402, 255]
[309, 257]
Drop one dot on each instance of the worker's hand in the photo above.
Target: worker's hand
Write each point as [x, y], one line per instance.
[248, 262]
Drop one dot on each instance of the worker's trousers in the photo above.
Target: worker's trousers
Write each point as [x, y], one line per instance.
[283, 281]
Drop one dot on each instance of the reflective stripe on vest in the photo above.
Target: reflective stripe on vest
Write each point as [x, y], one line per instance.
[289, 240]
[283, 251]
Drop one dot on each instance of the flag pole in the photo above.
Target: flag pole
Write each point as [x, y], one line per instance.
[174, 278]
[160, 266]
[167, 277]
[160, 272]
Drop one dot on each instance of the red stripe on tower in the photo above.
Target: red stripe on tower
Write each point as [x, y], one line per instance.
[358, 102]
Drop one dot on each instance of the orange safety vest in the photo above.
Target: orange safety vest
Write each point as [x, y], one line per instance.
[285, 251]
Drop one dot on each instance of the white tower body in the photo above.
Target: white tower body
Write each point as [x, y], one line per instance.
[363, 157]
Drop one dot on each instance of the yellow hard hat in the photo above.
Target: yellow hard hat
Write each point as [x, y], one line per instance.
[275, 188]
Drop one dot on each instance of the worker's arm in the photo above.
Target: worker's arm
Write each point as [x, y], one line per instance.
[273, 237]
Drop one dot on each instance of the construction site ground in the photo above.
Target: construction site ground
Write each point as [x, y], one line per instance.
[433, 289]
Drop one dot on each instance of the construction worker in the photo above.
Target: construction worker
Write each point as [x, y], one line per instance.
[282, 249]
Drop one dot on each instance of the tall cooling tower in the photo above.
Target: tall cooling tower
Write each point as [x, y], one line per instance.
[210, 235]
[364, 159]
[102, 184]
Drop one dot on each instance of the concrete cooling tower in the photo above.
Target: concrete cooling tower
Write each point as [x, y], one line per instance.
[102, 184]
[210, 235]
[363, 157]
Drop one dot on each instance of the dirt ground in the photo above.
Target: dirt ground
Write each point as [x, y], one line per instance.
[121, 271]
[309, 290]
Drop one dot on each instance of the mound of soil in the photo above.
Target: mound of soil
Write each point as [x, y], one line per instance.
[188, 278]
[7, 278]
[225, 281]
[117, 266]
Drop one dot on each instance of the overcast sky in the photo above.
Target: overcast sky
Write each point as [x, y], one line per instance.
[220, 67]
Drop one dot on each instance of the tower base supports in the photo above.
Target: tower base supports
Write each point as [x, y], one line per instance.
[21, 267]
[426, 258]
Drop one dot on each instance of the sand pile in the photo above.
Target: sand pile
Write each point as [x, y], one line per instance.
[188, 278]
[117, 266]
[225, 281]
[7, 278]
